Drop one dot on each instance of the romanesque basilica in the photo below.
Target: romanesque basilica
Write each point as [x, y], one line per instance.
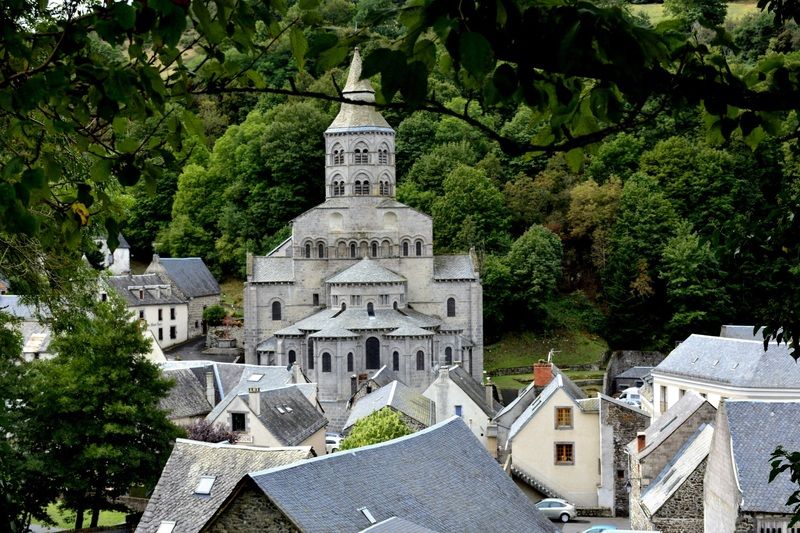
[357, 286]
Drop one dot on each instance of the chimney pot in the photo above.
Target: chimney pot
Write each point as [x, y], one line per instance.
[641, 441]
[254, 400]
[542, 374]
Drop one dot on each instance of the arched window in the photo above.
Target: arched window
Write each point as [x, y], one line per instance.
[370, 309]
[395, 361]
[365, 188]
[350, 362]
[448, 356]
[373, 347]
[326, 362]
[405, 248]
[451, 307]
[352, 249]
[276, 311]
[383, 156]
[386, 249]
[384, 188]
[321, 250]
[310, 354]
[344, 306]
[341, 250]
[419, 248]
[394, 305]
[420, 360]
[338, 188]
[361, 156]
[341, 188]
[338, 155]
[292, 357]
[357, 187]
[308, 251]
[374, 249]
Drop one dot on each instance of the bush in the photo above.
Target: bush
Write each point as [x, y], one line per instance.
[203, 431]
[214, 315]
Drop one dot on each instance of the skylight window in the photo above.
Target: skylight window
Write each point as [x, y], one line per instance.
[288, 409]
[367, 515]
[166, 526]
[204, 486]
[716, 363]
[255, 377]
[281, 410]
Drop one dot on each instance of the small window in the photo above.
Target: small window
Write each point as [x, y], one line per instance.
[383, 157]
[326, 362]
[663, 402]
[315, 298]
[321, 251]
[448, 356]
[344, 306]
[160, 334]
[172, 313]
[173, 332]
[420, 360]
[308, 251]
[350, 362]
[276, 311]
[160, 315]
[141, 294]
[357, 187]
[364, 188]
[196, 324]
[141, 314]
[565, 453]
[458, 410]
[374, 249]
[311, 361]
[352, 250]
[418, 246]
[620, 474]
[370, 309]
[237, 422]
[292, 357]
[103, 297]
[405, 248]
[395, 361]
[204, 485]
[563, 417]
[166, 526]
[451, 307]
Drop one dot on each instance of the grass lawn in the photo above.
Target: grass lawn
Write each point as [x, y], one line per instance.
[655, 12]
[524, 349]
[518, 381]
[66, 519]
[232, 295]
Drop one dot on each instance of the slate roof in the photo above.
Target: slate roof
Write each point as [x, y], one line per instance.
[187, 398]
[382, 377]
[472, 388]
[12, 304]
[191, 275]
[123, 243]
[522, 396]
[453, 267]
[152, 295]
[357, 116]
[365, 271]
[637, 372]
[237, 381]
[401, 479]
[734, 362]
[620, 403]
[273, 270]
[174, 498]
[742, 332]
[409, 330]
[678, 470]
[756, 429]
[398, 396]
[299, 420]
[337, 323]
[663, 426]
[396, 525]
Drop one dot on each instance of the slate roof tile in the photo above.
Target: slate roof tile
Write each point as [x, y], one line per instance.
[365, 271]
[453, 267]
[673, 418]
[299, 419]
[398, 396]
[191, 275]
[273, 269]
[156, 287]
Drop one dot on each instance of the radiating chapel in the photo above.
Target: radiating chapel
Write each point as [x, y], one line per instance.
[357, 287]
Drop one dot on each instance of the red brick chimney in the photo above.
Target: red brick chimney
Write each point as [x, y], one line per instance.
[542, 374]
[641, 441]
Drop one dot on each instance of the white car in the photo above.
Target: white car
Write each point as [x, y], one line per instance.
[631, 396]
[557, 509]
[332, 441]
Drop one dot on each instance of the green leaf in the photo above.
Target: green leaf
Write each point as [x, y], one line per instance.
[308, 4]
[505, 80]
[299, 44]
[100, 170]
[127, 146]
[574, 159]
[124, 14]
[194, 125]
[425, 51]
[475, 54]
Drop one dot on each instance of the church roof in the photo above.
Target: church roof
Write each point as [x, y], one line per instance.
[273, 270]
[366, 271]
[353, 116]
[453, 267]
[409, 331]
[335, 323]
[334, 333]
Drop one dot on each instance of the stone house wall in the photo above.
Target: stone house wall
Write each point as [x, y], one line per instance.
[622, 360]
[196, 306]
[683, 512]
[250, 512]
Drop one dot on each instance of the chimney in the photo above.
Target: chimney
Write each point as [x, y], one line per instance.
[249, 265]
[155, 259]
[210, 395]
[444, 372]
[641, 441]
[489, 392]
[297, 374]
[254, 400]
[542, 373]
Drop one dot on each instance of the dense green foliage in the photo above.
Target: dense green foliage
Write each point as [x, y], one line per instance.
[382, 425]
[214, 314]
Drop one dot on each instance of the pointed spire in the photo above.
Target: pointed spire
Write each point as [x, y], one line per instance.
[355, 85]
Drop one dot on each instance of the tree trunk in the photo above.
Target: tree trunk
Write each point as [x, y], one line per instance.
[79, 517]
[95, 515]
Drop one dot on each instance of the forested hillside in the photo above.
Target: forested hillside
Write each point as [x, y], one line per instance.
[654, 233]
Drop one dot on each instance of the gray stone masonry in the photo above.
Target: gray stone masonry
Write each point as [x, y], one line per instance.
[683, 512]
[196, 306]
[624, 424]
[622, 360]
[249, 512]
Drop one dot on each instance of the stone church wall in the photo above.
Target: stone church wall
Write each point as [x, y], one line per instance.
[250, 512]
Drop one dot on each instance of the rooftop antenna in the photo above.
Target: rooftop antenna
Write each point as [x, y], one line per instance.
[550, 354]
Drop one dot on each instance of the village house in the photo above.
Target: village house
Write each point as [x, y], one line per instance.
[36, 335]
[119, 261]
[417, 411]
[438, 479]
[721, 368]
[666, 467]
[455, 392]
[199, 477]
[191, 278]
[738, 496]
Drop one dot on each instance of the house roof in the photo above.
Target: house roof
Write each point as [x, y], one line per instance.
[678, 470]
[742, 332]
[637, 372]
[673, 418]
[756, 429]
[620, 403]
[735, 362]
[365, 271]
[273, 269]
[453, 267]
[235, 383]
[398, 396]
[123, 243]
[521, 397]
[13, 305]
[187, 398]
[401, 477]
[396, 525]
[472, 388]
[156, 287]
[382, 377]
[288, 414]
[174, 496]
[551, 388]
[191, 275]
[353, 116]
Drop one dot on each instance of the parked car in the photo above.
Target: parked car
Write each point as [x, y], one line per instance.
[631, 396]
[600, 528]
[557, 509]
[332, 441]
